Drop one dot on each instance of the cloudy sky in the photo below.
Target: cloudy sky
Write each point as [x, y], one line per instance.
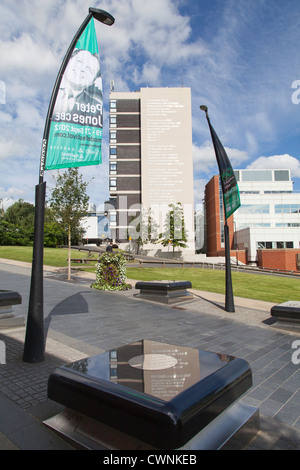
[241, 58]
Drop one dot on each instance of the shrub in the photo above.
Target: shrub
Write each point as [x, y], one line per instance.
[111, 272]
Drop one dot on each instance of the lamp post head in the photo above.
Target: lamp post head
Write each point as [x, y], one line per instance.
[204, 108]
[102, 16]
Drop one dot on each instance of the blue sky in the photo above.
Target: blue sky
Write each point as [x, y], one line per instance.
[241, 58]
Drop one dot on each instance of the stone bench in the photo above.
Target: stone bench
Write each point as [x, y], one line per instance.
[82, 260]
[7, 317]
[167, 292]
[152, 395]
[287, 314]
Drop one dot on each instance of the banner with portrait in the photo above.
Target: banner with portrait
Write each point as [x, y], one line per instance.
[75, 134]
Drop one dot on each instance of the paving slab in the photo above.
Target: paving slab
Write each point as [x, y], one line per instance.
[81, 321]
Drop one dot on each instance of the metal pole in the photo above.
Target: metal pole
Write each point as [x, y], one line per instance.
[34, 346]
[229, 301]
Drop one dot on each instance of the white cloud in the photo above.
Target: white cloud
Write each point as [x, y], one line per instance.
[147, 32]
[235, 64]
[285, 161]
[199, 187]
[9, 148]
[151, 73]
[205, 158]
[205, 166]
[24, 54]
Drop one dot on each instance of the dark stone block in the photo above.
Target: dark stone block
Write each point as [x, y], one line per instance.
[158, 393]
[287, 313]
[167, 292]
[7, 317]
[8, 297]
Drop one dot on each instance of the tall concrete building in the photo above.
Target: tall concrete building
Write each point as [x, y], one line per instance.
[151, 164]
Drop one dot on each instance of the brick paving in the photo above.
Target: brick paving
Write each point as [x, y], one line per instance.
[80, 321]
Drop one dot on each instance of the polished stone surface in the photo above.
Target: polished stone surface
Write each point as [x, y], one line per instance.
[160, 393]
[164, 291]
[8, 318]
[163, 285]
[8, 297]
[287, 312]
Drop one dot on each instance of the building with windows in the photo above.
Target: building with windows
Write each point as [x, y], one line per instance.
[150, 159]
[268, 218]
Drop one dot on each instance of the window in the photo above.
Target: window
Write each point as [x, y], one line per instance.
[282, 175]
[287, 208]
[278, 192]
[113, 136]
[113, 168]
[237, 174]
[113, 104]
[113, 371]
[278, 245]
[295, 208]
[254, 209]
[113, 152]
[113, 219]
[113, 184]
[113, 121]
[249, 192]
[258, 175]
[259, 224]
[264, 245]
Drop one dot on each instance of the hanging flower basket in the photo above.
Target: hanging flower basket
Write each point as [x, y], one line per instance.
[111, 272]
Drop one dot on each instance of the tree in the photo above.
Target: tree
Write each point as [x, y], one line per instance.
[20, 213]
[17, 224]
[69, 203]
[175, 233]
[143, 229]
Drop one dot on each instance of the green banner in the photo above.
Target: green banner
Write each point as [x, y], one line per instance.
[75, 134]
[231, 195]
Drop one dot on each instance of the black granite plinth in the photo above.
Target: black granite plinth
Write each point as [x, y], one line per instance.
[167, 292]
[7, 317]
[287, 313]
[8, 298]
[160, 394]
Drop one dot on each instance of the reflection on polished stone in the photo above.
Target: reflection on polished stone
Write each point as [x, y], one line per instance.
[152, 361]
[165, 379]
[163, 407]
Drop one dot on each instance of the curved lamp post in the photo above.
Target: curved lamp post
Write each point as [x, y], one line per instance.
[229, 300]
[34, 346]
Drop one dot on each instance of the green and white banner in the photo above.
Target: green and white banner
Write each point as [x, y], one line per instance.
[75, 133]
[230, 189]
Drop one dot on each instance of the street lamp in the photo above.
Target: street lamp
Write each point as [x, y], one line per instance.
[34, 345]
[102, 16]
[224, 165]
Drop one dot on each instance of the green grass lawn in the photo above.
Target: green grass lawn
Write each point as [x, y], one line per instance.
[52, 256]
[249, 285]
